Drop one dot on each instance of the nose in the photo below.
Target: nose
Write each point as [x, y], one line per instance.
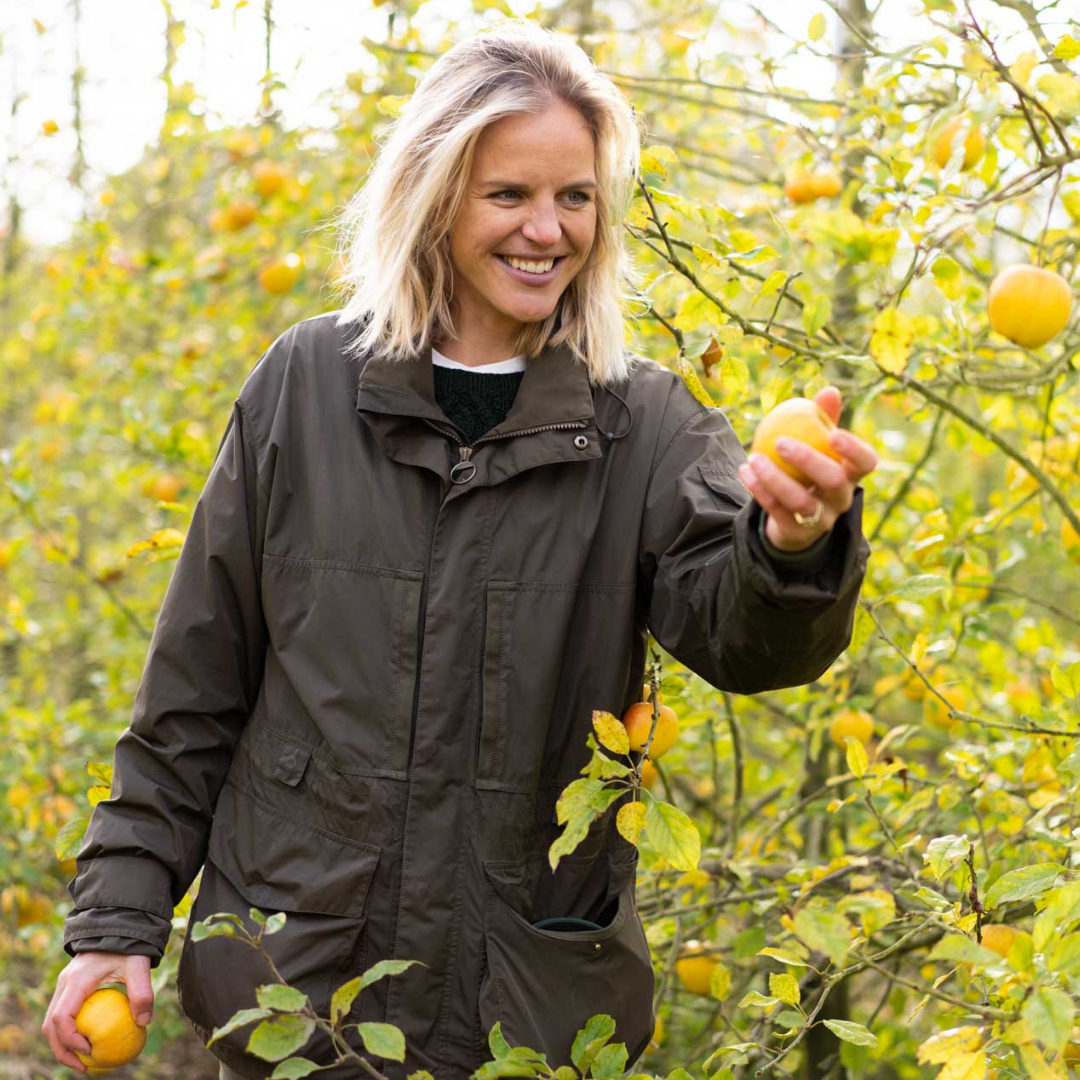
[543, 227]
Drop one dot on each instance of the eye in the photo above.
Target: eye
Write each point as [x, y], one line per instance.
[503, 194]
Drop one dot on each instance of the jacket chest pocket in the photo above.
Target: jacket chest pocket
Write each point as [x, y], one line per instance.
[552, 653]
[343, 656]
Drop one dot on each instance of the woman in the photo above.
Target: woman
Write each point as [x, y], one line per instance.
[401, 598]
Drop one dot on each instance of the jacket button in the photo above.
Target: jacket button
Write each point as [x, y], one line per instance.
[580, 442]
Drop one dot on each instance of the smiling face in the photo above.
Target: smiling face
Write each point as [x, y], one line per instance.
[531, 193]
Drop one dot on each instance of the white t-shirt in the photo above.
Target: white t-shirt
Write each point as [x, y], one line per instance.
[500, 367]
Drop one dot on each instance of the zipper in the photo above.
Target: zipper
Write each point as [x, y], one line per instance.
[466, 451]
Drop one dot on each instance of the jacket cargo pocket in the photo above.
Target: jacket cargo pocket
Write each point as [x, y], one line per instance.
[544, 985]
[343, 655]
[260, 857]
[534, 722]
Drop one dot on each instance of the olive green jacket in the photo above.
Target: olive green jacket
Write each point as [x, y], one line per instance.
[375, 669]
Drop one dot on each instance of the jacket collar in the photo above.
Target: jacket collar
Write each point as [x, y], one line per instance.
[395, 397]
[554, 388]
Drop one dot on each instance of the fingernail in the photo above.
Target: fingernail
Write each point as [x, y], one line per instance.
[143, 1018]
[783, 445]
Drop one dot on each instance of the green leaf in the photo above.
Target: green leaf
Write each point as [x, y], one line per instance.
[498, 1045]
[238, 1020]
[201, 930]
[673, 835]
[275, 1039]
[851, 1032]
[783, 956]
[280, 997]
[961, 947]
[749, 942]
[773, 283]
[943, 853]
[293, 1068]
[610, 1062]
[1049, 1014]
[947, 275]
[275, 923]
[1066, 681]
[816, 313]
[1064, 955]
[917, 587]
[69, 839]
[384, 1040]
[579, 805]
[752, 997]
[1023, 884]
[386, 967]
[590, 1040]
[341, 1002]
[824, 930]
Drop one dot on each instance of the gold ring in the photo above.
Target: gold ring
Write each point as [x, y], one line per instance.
[810, 522]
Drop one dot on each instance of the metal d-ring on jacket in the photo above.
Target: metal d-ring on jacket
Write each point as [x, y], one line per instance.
[374, 671]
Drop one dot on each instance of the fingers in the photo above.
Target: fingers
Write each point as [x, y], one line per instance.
[829, 399]
[829, 477]
[857, 451]
[140, 992]
[780, 494]
[59, 1025]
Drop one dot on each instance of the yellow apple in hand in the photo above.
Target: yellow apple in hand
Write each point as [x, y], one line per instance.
[797, 418]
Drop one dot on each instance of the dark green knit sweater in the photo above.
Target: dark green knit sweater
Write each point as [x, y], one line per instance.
[475, 401]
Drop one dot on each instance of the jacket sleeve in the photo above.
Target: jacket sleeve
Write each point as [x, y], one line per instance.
[144, 845]
[715, 599]
[791, 565]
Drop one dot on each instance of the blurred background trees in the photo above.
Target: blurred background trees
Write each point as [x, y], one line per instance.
[827, 194]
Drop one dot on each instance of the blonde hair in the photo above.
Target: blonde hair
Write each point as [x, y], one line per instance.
[394, 234]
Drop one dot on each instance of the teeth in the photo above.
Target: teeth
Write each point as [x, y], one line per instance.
[530, 267]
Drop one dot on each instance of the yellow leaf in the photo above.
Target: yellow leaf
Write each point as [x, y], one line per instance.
[650, 163]
[943, 1045]
[967, 1066]
[1020, 69]
[611, 732]
[890, 342]
[777, 389]
[857, 761]
[720, 982]
[816, 30]
[785, 987]
[693, 383]
[630, 820]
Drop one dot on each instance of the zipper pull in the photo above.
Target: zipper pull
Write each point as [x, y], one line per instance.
[460, 473]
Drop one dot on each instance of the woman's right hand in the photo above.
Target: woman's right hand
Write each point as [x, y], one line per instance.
[85, 974]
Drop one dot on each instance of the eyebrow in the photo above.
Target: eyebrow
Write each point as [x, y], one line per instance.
[515, 184]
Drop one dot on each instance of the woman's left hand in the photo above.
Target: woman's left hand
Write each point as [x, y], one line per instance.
[834, 482]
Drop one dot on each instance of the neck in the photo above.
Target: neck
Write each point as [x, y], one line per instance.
[473, 357]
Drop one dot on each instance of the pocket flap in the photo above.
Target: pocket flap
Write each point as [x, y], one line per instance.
[278, 862]
[291, 761]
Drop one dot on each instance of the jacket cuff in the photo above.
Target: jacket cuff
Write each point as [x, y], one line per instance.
[116, 929]
[123, 881]
[807, 561]
[846, 551]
